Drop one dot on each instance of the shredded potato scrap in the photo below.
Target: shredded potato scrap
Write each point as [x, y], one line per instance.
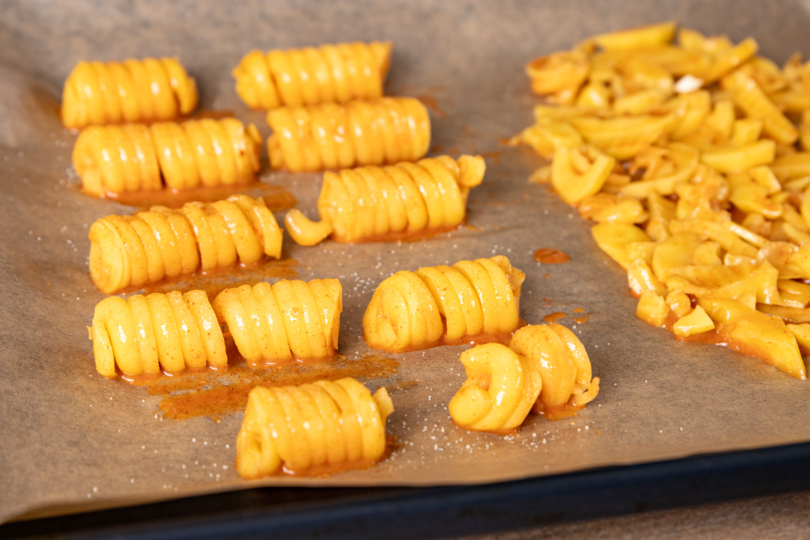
[692, 157]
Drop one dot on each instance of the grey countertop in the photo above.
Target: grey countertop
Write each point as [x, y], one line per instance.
[780, 516]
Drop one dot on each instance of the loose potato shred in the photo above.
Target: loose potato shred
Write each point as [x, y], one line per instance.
[691, 155]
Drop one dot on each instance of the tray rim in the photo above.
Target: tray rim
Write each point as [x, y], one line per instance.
[447, 511]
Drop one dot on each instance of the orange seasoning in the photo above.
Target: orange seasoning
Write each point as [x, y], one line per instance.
[582, 318]
[218, 395]
[554, 317]
[551, 256]
[557, 413]
[275, 197]
[431, 103]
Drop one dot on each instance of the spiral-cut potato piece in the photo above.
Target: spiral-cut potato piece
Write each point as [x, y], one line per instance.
[563, 363]
[375, 202]
[312, 428]
[331, 136]
[499, 392]
[137, 157]
[443, 304]
[327, 74]
[128, 91]
[545, 367]
[130, 251]
[144, 335]
[289, 319]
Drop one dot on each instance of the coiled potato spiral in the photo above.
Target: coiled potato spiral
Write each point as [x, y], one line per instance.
[161, 243]
[371, 202]
[291, 318]
[324, 424]
[193, 154]
[330, 73]
[129, 91]
[331, 136]
[562, 361]
[545, 367]
[171, 331]
[417, 310]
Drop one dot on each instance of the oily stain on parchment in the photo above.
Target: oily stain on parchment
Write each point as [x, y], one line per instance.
[557, 315]
[582, 319]
[276, 198]
[558, 412]
[215, 394]
[218, 279]
[712, 337]
[551, 256]
[554, 317]
[407, 236]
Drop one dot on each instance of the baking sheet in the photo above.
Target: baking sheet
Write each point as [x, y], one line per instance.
[71, 440]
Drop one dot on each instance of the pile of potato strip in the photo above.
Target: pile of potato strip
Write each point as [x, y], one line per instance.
[692, 155]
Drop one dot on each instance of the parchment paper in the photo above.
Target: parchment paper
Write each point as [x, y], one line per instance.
[71, 440]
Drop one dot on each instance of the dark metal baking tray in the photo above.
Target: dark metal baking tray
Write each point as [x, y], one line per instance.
[443, 512]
